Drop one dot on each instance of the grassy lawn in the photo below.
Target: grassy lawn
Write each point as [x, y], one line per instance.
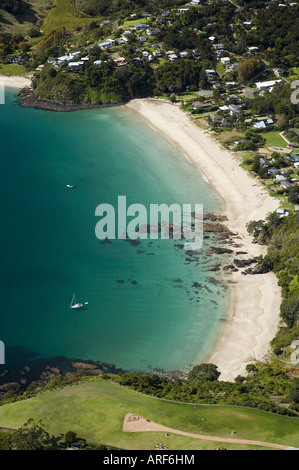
[63, 14]
[7, 69]
[273, 139]
[95, 411]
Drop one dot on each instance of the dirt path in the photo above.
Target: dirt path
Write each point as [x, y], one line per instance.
[134, 423]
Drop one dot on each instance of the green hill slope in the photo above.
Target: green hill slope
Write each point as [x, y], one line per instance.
[95, 410]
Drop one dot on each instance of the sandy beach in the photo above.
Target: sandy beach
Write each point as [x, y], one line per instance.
[15, 81]
[256, 299]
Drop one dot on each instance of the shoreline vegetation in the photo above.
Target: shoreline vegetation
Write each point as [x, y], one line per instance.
[255, 303]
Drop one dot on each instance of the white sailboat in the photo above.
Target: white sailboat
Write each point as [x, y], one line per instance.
[75, 304]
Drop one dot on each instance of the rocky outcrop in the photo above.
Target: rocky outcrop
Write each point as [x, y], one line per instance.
[28, 99]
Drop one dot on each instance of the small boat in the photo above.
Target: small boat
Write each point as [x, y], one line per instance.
[69, 186]
[75, 304]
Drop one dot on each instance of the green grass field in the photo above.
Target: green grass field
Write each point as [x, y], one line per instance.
[63, 14]
[95, 411]
[273, 139]
[7, 69]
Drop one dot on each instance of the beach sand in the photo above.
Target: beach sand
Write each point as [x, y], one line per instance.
[15, 81]
[255, 303]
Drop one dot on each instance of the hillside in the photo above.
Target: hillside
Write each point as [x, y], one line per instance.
[95, 410]
[18, 16]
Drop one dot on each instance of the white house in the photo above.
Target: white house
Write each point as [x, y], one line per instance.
[265, 85]
[280, 178]
[218, 47]
[210, 72]
[75, 66]
[225, 60]
[282, 212]
[107, 44]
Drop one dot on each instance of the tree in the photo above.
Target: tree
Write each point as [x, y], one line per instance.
[289, 310]
[203, 373]
[255, 227]
[294, 195]
[247, 69]
[69, 438]
[294, 393]
[32, 436]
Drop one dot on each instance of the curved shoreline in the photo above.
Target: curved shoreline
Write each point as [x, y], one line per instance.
[255, 303]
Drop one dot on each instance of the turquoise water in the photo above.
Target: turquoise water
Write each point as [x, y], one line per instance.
[149, 305]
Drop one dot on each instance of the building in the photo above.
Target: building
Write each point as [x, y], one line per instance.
[225, 60]
[253, 49]
[280, 178]
[285, 185]
[107, 44]
[278, 72]
[210, 72]
[76, 66]
[266, 85]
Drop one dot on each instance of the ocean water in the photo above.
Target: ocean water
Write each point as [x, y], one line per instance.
[150, 305]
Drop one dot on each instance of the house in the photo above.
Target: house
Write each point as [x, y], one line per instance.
[141, 39]
[278, 72]
[272, 171]
[210, 72]
[107, 44]
[173, 57]
[230, 84]
[120, 61]
[296, 165]
[253, 49]
[123, 40]
[280, 178]
[218, 47]
[266, 85]
[76, 66]
[184, 54]
[232, 108]
[259, 125]
[282, 212]
[97, 62]
[157, 53]
[220, 120]
[137, 60]
[225, 60]
[152, 31]
[285, 185]
[199, 105]
[140, 26]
